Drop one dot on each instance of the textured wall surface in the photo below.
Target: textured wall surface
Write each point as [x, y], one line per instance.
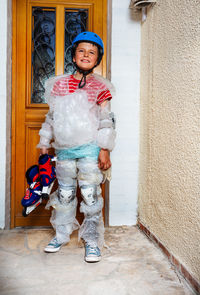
[169, 191]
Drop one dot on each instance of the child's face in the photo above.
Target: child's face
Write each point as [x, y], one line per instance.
[86, 56]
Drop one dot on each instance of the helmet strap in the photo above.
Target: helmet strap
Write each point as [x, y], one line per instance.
[82, 82]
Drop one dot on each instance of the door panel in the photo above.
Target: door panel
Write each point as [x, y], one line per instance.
[42, 32]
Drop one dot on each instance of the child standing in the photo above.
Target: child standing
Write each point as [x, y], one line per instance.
[80, 124]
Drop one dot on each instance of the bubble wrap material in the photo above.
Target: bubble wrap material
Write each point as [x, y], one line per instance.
[89, 87]
[63, 217]
[45, 135]
[89, 173]
[92, 228]
[106, 133]
[66, 172]
[73, 118]
[85, 170]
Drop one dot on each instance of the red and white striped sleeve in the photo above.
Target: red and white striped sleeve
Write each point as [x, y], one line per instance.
[56, 89]
[104, 95]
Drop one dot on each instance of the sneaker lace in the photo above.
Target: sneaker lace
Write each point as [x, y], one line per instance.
[92, 249]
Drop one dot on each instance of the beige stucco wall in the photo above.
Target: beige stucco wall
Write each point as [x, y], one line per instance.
[169, 191]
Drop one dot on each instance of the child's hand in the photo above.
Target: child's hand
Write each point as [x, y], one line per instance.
[104, 160]
[43, 151]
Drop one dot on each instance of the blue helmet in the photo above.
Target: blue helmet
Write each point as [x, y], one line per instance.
[91, 38]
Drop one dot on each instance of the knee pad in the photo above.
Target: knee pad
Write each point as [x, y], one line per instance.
[66, 195]
[89, 194]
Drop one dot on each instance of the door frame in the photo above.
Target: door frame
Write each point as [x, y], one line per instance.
[10, 175]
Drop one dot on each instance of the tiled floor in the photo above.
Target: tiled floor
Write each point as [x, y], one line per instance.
[131, 265]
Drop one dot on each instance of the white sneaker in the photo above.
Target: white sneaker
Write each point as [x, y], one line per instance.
[53, 246]
[92, 254]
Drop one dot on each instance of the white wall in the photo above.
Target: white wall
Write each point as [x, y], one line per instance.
[3, 60]
[125, 75]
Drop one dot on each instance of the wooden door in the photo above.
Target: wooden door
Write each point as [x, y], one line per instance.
[42, 34]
